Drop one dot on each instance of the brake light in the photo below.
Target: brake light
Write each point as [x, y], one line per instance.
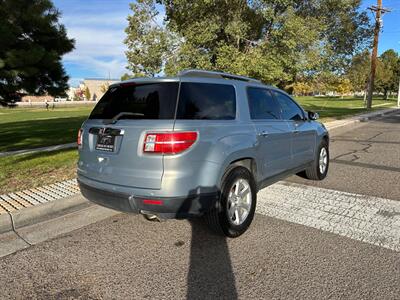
[79, 140]
[169, 142]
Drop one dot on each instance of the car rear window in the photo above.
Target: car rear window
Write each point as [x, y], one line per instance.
[206, 101]
[138, 101]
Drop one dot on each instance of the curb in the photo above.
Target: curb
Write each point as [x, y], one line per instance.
[5, 223]
[42, 212]
[361, 118]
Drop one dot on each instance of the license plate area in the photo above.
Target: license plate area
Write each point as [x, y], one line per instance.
[105, 142]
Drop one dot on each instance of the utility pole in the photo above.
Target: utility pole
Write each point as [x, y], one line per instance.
[379, 10]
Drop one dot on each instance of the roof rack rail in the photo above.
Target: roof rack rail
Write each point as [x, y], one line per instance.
[214, 74]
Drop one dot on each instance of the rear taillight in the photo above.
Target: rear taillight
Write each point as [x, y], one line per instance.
[79, 140]
[169, 142]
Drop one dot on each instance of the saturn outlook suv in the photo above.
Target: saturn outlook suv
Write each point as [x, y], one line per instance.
[199, 144]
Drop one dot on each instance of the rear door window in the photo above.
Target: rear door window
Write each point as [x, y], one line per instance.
[206, 101]
[290, 110]
[262, 104]
[138, 101]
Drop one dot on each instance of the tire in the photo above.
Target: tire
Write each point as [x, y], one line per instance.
[233, 215]
[314, 171]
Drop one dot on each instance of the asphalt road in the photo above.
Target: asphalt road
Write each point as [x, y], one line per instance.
[365, 159]
[126, 257]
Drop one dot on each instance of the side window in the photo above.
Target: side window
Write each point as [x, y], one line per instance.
[206, 101]
[290, 110]
[262, 104]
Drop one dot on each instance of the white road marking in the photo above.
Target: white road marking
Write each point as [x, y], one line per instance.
[364, 218]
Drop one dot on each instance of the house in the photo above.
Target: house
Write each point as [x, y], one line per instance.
[97, 86]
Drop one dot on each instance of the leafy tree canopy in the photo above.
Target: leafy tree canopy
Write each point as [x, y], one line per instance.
[388, 72]
[276, 41]
[32, 44]
[359, 69]
[126, 76]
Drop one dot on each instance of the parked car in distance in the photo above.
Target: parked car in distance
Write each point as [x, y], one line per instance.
[199, 144]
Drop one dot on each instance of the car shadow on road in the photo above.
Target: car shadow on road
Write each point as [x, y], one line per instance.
[210, 274]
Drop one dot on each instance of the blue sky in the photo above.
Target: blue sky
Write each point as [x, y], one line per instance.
[98, 29]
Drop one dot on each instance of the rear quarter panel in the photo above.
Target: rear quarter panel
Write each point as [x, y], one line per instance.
[200, 168]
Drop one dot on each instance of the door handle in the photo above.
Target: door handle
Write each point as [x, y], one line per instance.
[263, 133]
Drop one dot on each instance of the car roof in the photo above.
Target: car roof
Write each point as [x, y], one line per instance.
[194, 75]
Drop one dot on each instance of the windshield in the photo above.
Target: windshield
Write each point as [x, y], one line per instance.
[138, 101]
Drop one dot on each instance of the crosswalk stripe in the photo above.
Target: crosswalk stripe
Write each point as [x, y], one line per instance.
[365, 218]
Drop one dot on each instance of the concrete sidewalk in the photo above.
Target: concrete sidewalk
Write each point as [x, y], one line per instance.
[359, 118]
[41, 149]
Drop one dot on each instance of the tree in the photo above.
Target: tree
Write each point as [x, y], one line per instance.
[104, 87]
[300, 88]
[126, 76]
[277, 41]
[358, 71]
[87, 94]
[147, 41]
[387, 72]
[246, 38]
[32, 44]
[78, 96]
[343, 86]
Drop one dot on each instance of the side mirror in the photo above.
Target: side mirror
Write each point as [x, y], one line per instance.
[313, 115]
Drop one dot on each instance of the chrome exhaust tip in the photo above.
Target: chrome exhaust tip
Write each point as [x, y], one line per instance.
[152, 217]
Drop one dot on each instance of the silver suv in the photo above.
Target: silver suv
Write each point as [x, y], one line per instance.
[202, 143]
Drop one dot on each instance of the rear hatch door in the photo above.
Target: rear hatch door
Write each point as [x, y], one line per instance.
[113, 136]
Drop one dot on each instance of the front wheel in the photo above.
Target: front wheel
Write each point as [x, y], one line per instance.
[319, 169]
[236, 206]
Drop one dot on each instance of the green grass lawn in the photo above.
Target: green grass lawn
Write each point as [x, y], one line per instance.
[19, 172]
[25, 128]
[337, 108]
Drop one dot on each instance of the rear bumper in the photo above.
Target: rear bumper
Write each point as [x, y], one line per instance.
[174, 207]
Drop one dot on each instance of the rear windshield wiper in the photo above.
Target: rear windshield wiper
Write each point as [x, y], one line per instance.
[121, 114]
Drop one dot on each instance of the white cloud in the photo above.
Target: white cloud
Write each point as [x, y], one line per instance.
[99, 47]
[97, 41]
[112, 68]
[109, 19]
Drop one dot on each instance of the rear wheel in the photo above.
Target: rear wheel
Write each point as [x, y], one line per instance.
[319, 169]
[235, 210]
